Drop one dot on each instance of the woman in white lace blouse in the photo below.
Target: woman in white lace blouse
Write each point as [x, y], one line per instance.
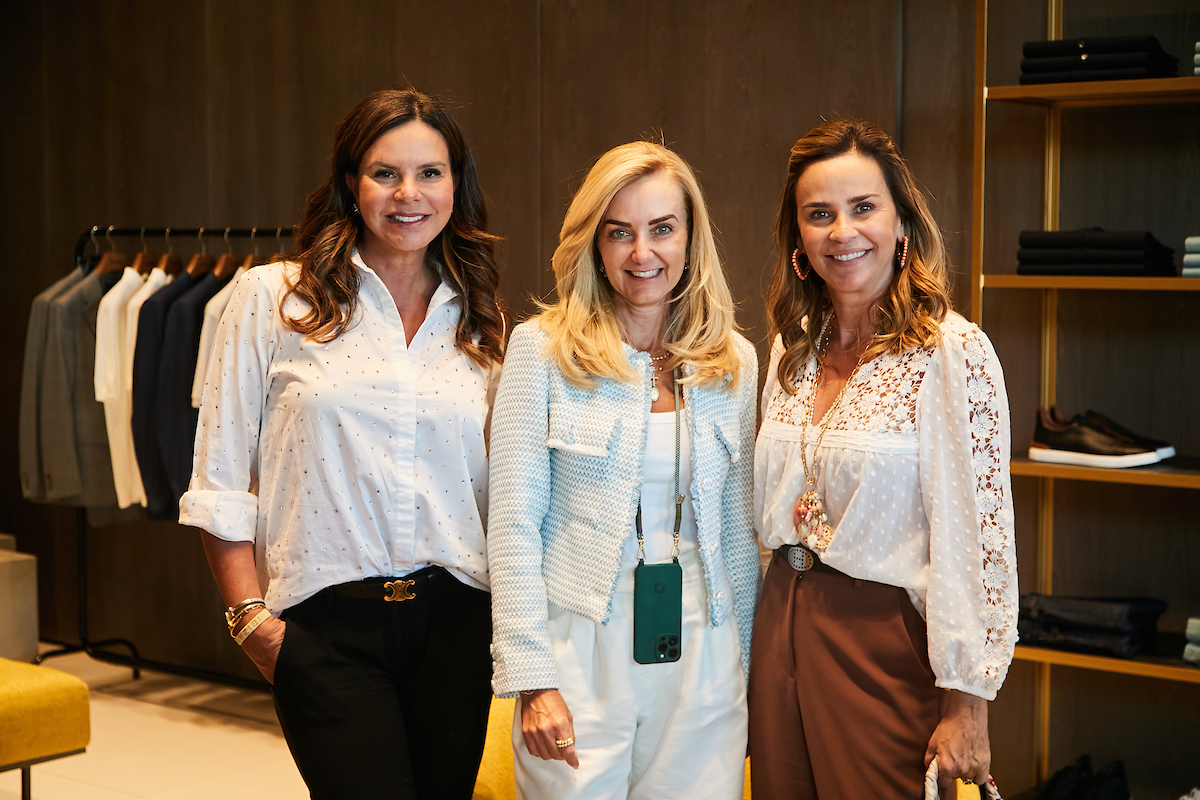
[888, 614]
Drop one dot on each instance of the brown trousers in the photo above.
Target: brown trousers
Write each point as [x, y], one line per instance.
[841, 695]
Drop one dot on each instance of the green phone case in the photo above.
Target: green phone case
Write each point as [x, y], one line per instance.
[657, 612]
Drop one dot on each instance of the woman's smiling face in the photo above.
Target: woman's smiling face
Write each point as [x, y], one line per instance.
[643, 241]
[404, 189]
[849, 225]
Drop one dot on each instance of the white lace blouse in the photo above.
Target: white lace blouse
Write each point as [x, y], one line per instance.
[914, 474]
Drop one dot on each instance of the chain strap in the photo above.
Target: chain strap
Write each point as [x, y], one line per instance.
[678, 497]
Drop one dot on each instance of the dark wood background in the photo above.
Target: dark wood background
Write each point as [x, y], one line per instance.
[221, 114]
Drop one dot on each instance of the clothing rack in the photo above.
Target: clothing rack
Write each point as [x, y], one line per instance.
[160, 233]
[96, 649]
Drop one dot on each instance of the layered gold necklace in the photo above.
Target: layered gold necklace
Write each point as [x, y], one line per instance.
[813, 529]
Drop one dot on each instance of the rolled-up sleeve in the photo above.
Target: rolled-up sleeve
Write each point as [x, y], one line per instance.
[222, 497]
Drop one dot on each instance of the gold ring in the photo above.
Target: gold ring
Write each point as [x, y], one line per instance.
[567, 742]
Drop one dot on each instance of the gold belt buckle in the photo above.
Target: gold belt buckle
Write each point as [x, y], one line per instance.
[399, 591]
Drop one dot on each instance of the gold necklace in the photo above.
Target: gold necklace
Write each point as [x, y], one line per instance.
[655, 368]
[813, 530]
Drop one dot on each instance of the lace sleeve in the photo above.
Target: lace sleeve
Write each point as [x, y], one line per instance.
[971, 604]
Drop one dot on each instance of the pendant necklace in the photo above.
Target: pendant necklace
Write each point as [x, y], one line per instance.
[813, 529]
[655, 368]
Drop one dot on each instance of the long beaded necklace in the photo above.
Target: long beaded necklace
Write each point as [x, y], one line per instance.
[813, 529]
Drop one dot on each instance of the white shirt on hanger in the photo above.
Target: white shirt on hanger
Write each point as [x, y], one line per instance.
[358, 458]
[208, 332]
[111, 330]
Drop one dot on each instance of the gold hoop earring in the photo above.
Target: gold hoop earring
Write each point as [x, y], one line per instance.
[801, 273]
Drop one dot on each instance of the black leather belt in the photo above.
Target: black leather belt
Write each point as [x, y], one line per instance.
[802, 559]
[393, 590]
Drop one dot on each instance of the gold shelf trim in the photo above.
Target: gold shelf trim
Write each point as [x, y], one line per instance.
[1164, 474]
[1145, 669]
[1142, 91]
[1129, 284]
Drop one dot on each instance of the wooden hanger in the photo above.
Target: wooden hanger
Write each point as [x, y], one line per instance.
[112, 261]
[227, 264]
[254, 259]
[144, 261]
[170, 263]
[201, 263]
[279, 255]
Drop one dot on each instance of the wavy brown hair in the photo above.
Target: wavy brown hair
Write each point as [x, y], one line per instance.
[463, 252]
[918, 298]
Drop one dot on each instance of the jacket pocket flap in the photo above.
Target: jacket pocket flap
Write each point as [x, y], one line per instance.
[573, 430]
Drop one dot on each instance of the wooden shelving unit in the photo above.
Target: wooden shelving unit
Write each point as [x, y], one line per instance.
[1177, 473]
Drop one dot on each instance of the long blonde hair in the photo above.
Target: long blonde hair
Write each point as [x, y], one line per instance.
[584, 337]
[918, 298]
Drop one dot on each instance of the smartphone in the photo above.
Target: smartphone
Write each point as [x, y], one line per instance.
[657, 612]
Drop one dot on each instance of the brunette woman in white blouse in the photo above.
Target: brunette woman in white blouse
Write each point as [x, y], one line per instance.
[621, 469]
[340, 462]
[889, 609]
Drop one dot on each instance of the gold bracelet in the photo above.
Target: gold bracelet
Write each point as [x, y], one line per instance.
[251, 626]
[232, 621]
[233, 612]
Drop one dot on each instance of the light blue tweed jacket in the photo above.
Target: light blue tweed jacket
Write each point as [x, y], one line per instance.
[564, 481]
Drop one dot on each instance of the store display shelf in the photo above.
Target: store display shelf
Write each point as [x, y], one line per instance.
[993, 281]
[1143, 91]
[1181, 472]
[1153, 665]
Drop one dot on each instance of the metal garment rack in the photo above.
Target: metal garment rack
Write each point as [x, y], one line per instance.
[96, 649]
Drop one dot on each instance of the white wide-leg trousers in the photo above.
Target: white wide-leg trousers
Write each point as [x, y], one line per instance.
[644, 731]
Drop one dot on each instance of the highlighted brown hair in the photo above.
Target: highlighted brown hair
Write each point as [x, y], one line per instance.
[918, 299]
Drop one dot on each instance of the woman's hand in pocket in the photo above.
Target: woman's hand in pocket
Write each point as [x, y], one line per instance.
[263, 646]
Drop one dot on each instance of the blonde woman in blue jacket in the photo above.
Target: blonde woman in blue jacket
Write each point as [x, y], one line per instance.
[630, 392]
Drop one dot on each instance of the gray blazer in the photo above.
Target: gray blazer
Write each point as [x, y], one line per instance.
[76, 464]
[29, 434]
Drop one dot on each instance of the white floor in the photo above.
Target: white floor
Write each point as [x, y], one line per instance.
[164, 737]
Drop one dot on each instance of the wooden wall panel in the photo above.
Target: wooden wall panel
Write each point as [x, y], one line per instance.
[936, 126]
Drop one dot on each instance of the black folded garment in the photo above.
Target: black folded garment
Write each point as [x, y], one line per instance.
[1094, 251]
[1098, 61]
[1084, 640]
[1080, 75]
[1096, 44]
[1085, 255]
[1094, 239]
[1119, 614]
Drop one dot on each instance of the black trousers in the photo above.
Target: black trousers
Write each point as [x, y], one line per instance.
[387, 699]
